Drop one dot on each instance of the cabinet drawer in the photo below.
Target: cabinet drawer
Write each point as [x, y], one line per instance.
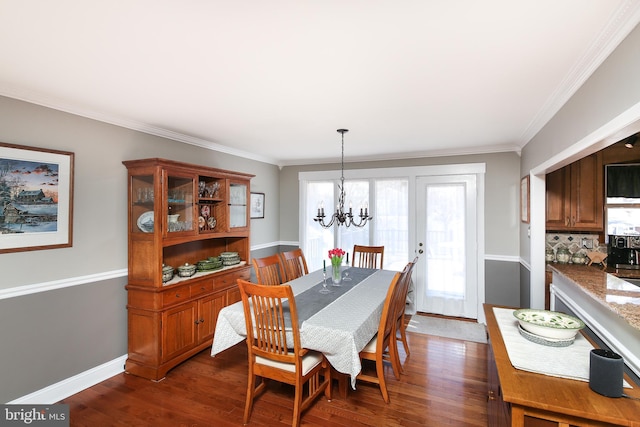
[231, 279]
[201, 288]
[225, 281]
[176, 296]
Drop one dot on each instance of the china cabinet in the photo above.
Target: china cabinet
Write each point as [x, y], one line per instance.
[181, 215]
[575, 196]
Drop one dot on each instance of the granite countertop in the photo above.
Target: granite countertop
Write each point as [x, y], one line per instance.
[621, 297]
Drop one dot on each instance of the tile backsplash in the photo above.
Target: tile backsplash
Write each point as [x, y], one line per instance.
[575, 242]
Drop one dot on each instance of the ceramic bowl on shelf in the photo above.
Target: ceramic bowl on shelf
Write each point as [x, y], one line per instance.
[187, 270]
[549, 324]
[167, 273]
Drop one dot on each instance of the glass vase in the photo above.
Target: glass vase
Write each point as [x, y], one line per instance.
[336, 275]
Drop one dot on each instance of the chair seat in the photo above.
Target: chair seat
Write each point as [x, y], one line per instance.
[371, 345]
[309, 361]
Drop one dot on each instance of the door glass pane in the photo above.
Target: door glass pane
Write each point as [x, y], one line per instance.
[445, 241]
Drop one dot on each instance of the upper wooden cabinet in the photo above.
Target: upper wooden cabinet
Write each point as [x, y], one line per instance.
[181, 213]
[575, 196]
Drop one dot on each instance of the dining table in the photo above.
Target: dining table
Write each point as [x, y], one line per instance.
[338, 324]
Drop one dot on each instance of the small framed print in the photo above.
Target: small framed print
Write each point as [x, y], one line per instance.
[524, 199]
[36, 189]
[257, 205]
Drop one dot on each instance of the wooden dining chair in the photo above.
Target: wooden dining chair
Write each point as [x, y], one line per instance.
[272, 354]
[400, 309]
[376, 348]
[294, 264]
[368, 256]
[268, 270]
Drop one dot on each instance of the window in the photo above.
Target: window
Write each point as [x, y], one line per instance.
[387, 198]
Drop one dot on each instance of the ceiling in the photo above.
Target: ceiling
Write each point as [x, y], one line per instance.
[274, 80]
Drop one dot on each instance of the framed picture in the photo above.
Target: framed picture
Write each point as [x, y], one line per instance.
[36, 198]
[524, 199]
[257, 205]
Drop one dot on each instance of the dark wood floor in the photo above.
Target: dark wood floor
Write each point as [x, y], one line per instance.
[445, 385]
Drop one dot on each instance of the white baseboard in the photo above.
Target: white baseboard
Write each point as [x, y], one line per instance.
[70, 386]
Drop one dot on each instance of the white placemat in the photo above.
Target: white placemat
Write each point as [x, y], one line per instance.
[565, 362]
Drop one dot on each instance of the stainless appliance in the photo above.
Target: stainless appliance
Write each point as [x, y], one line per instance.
[624, 251]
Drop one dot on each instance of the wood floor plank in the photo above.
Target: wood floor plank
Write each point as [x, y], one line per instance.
[445, 385]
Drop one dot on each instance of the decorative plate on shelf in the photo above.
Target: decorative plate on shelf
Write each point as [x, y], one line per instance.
[211, 222]
[205, 211]
[201, 222]
[145, 222]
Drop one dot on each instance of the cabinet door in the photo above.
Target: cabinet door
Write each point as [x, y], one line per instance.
[558, 200]
[587, 193]
[208, 309]
[179, 204]
[575, 196]
[178, 330]
[238, 206]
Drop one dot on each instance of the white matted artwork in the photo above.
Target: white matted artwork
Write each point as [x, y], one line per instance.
[257, 205]
[37, 187]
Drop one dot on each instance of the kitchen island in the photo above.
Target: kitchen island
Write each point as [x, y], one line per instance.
[608, 305]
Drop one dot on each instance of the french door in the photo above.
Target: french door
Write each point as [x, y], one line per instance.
[446, 233]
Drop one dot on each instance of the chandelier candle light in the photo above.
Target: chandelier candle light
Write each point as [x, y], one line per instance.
[340, 217]
[335, 255]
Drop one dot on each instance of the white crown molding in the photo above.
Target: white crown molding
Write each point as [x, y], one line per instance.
[504, 148]
[57, 104]
[622, 22]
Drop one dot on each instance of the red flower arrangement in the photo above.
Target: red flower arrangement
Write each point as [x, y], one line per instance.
[335, 255]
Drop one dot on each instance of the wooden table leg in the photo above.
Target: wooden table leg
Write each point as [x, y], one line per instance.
[344, 381]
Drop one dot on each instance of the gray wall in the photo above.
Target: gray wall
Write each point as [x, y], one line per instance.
[603, 111]
[50, 336]
[612, 90]
[502, 180]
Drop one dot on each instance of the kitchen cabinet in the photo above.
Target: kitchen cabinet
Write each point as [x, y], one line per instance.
[181, 213]
[575, 196]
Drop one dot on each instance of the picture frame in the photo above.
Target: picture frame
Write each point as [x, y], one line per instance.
[524, 199]
[36, 198]
[257, 205]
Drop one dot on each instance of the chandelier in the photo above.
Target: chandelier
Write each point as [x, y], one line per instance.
[340, 217]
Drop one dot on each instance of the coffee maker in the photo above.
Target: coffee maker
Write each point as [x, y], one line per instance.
[624, 251]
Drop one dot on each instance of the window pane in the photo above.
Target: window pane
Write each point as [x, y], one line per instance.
[319, 240]
[392, 221]
[390, 201]
[356, 197]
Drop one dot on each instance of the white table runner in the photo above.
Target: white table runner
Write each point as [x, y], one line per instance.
[565, 362]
